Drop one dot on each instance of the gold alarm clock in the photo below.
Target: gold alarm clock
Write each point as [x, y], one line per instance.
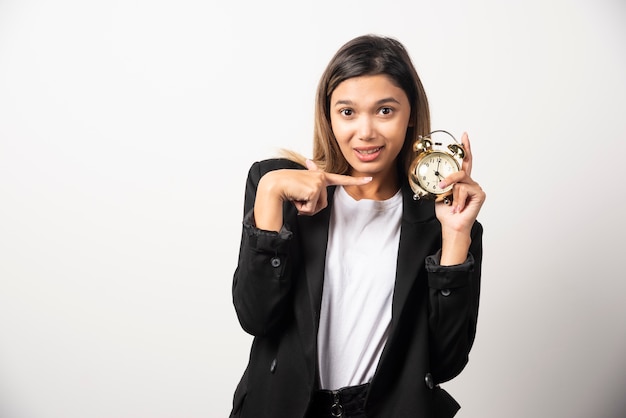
[437, 157]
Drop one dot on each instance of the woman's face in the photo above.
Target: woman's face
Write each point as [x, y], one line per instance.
[369, 116]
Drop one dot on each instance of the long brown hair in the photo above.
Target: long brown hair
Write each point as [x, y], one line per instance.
[368, 55]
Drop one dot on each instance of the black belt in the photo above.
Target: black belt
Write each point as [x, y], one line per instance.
[345, 402]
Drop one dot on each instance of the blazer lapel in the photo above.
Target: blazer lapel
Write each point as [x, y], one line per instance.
[314, 240]
[418, 232]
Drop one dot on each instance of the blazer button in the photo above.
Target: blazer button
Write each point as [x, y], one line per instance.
[430, 383]
[445, 292]
[273, 366]
[275, 262]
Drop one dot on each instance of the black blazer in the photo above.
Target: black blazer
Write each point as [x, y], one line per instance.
[277, 292]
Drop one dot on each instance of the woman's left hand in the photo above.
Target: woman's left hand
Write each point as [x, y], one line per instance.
[467, 197]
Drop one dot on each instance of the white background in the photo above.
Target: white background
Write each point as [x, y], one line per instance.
[126, 131]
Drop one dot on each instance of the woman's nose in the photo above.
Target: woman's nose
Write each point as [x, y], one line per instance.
[365, 128]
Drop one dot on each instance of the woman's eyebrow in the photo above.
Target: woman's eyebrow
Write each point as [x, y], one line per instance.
[387, 100]
[378, 103]
[344, 102]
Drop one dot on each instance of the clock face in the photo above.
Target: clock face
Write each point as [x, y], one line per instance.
[433, 168]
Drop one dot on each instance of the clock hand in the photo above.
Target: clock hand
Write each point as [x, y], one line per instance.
[437, 170]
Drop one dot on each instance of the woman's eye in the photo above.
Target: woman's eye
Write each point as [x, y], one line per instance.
[386, 110]
[346, 112]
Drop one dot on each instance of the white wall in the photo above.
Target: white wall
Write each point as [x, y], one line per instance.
[126, 132]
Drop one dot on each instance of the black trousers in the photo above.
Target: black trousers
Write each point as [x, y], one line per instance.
[348, 402]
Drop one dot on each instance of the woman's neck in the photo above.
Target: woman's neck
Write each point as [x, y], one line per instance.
[382, 187]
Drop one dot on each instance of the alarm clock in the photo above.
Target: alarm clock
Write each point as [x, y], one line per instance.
[439, 154]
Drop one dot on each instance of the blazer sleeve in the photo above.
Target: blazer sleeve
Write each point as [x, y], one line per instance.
[454, 293]
[262, 279]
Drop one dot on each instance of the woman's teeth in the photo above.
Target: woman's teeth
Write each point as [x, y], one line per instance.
[368, 151]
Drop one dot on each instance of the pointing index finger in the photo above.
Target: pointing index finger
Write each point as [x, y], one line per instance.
[343, 180]
[333, 179]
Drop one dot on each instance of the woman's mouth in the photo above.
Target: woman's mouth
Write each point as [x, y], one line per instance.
[367, 154]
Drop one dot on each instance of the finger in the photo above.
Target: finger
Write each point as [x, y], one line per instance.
[452, 178]
[311, 165]
[467, 161]
[311, 207]
[460, 198]
[304, 207]
[343, 180]
[338, 179]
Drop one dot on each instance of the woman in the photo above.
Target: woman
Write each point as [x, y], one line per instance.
[361, 299]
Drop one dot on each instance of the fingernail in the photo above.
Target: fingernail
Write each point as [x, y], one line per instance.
[367, 179]
[442, 184]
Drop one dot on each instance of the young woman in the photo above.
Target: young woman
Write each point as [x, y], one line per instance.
[361, 299]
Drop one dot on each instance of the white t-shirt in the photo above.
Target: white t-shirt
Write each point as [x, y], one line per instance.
[358, 288]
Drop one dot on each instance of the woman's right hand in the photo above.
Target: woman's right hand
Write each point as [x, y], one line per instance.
[306, 189]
